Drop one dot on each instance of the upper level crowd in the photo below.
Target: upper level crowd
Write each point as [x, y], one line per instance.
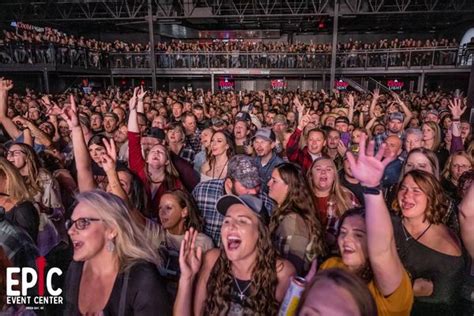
[216, 201]
[31, 47]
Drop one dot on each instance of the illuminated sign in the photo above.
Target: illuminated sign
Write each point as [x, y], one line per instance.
[395, 85]
[226, 83]
[341, 85]
[279, 84]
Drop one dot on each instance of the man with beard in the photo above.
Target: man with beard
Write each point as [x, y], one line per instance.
[241, 179]
[264, 143]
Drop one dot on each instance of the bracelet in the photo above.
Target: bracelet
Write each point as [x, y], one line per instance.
[372, 190]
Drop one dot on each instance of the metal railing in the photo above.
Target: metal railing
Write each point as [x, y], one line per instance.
[406, 58]
[86, 58]
[50, 54]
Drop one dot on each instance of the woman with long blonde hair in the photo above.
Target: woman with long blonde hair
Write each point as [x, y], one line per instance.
[44, 190]
[432, 140]
[331, 198]
[16, 200]
[114, 268]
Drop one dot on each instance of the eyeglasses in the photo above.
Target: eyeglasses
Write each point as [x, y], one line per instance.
[15, 153]
[81, 223]
[456, 166]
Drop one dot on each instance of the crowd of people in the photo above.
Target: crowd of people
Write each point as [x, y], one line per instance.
[194, 203]
[32, 47]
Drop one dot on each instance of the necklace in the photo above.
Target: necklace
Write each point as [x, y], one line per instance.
[408, 237]
[241, 294]
[222, 170]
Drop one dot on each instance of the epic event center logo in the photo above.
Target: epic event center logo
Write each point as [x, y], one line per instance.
[22, 282]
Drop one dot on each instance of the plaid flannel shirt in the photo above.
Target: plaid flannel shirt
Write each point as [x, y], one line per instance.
[187, 153]
[206, 195]
[194, 141]
[18, 245]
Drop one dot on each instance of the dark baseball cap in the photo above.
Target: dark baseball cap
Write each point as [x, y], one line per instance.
[244, 169]
[266, 134]
[396, 116]
[252, 202]
[243, 116]
[155, 132]
[342, 119]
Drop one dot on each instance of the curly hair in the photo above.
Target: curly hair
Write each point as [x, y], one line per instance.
[437, 200]
[261, 300]
[299, 200]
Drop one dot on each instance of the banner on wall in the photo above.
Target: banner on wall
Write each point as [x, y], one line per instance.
[29, 27]
[395, 85]
[226, 84]
[341, 85]
[279, 84]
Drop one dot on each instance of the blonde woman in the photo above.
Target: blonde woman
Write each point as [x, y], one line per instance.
[16, 200]
[331, 198]
[114, 269]
[46, 194]
[432, 140]
[458, 163]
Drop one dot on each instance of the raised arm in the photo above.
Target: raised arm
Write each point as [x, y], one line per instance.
[190, 263]
[85, 179]
[133, 117]
[12, 130]
[405, 109]
[383, 256]
[350, 101]
[375, 99]
[466, 219]
[140, 96]
[457, 111]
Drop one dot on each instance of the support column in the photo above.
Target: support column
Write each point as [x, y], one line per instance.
[469, 114]
[334, 44]
[152, 46]
[421, 83]
[212, 82]
[46, 80]
[112, 80]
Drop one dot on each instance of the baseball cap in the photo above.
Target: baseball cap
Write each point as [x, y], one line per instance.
[244, 169]
[265, 133]
[243, 116]
[396, 116]
[342, 119]
[433, 111]
[111, 114]
[252, 202]
[155, 132]
[217, 121]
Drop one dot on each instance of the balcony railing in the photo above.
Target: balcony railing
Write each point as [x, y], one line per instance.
[92, 59]
[406, 58]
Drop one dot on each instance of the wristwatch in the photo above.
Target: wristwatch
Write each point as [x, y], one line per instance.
[372, 190]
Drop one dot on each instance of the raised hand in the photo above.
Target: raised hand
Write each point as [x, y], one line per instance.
[141, 93]
[132, 103]
[190, 257]
[109, 159]
[376, 93]
[369, 167]
[5, 84]
[350, 100]
[304, 121]
[456, 107]
[299, 107]
[70, 115]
